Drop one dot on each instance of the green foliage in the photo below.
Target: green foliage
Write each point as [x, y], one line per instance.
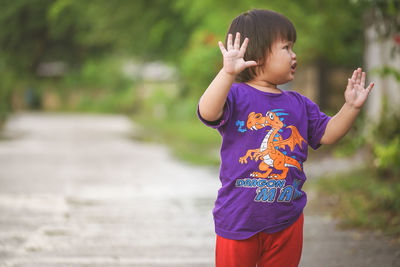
[369, 198]
[388, 156]
[353, 141]
[184, 32]
[106, 102]
[341, 44]
[100, 86]
[73, 31]
[385, 144]
[362, 200]
[103, 73]
[200, 64]
[386, 12]
[384, 139]
[386, 71]
[81, 33]
[172, 120]
[8, 78]
[188, 138]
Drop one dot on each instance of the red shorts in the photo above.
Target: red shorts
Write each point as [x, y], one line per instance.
[279, 249]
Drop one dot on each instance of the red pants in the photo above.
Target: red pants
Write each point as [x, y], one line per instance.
[281, 249]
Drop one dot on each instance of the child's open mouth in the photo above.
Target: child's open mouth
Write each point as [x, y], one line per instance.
[293, 67]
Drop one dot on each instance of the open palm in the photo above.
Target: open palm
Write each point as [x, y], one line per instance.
[234, 62]
[355, 93]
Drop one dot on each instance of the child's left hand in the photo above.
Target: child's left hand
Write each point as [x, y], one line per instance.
[355, 93]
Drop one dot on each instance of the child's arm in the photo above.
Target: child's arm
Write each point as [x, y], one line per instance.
[355, 96]
[213, 100]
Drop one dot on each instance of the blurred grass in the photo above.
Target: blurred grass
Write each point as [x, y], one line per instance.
[106, 102]
[189, 140]
[362, 199]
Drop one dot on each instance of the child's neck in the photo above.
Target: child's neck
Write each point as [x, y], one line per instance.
[265, 86]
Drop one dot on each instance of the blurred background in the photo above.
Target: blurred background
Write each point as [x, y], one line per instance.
[151, 60]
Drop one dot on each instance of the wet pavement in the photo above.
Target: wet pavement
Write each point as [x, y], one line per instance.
[77, 190]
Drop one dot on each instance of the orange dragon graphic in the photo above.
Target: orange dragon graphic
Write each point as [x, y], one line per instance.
[269, 153]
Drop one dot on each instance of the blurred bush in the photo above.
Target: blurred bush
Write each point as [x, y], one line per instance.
[385, 144]
[361, 200]
[387, 157]
[341, 45]
[99, 85]
[185, 33]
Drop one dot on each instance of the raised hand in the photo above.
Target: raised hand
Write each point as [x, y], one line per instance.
[355, 93]
[233, 55]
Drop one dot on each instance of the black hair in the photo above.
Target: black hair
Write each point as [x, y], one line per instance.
[263, 28]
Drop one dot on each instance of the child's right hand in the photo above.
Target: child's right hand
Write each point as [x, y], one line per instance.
[233, 57]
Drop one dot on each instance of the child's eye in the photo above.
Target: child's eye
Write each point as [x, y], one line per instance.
[286, 47]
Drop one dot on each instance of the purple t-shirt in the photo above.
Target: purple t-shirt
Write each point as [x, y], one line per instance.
[265, 138]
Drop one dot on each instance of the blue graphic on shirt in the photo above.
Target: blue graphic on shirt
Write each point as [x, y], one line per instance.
[240, 124]
[271, 190]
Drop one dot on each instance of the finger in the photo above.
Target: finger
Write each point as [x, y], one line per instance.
[250, 63]
[243, 48]
[370, 86]
[237, 41]
[353, 77]
[362, 79]
[229, 43]
[222, 48]
[350, 84]
[358, 77]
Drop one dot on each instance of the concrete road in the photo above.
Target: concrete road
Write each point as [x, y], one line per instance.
[76, 190]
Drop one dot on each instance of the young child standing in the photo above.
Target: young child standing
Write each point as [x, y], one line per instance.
[265, 132]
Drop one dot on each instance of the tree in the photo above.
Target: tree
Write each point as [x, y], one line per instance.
[37, 31]
[329, 34]
[383, 58]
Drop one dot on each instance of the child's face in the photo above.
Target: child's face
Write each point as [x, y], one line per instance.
[280, 65]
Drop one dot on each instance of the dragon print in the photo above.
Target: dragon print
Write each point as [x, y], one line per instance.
[268, 152]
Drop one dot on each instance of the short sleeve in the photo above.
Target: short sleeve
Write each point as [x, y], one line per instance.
[225, 115]
[317, 122]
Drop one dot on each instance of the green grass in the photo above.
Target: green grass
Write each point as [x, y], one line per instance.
[363, 200]
[189, 140]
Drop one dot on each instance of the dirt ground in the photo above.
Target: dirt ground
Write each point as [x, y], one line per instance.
[76, 190]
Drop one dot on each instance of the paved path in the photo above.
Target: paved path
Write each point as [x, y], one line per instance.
[75, 190]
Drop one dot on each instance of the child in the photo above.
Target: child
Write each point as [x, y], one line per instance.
[265, 136]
